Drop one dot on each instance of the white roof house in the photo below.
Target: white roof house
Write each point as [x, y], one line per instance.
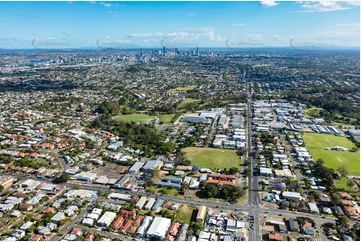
[292, 195]
[313, 208]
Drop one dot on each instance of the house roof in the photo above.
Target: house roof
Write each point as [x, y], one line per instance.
[275, 237]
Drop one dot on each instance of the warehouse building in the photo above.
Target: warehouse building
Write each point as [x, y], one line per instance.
[106, 219]
[149, 204]
[183, 233]
[140, 203]
[85, 176]
[120, 196]
[142, 228]
[136, 167]
[152, 165]
[159, 228]
[157, 205]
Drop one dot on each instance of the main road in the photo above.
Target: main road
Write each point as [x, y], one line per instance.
[253, 196]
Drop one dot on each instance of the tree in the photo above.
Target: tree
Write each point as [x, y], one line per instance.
[149, 183]
[336, 199]
[210, 190]
[343, 171]
[101, 192]
[350, 184]
[233, 170]
[343, 221]
[1, 188]
[64, 177]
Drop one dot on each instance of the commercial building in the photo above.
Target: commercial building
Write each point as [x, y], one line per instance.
[120, 196]
[149, 204]
[201, 213]
[152, 165]
[88, 222]
[106, 219]
[293, 225]
[159, 228]
[183, 232]
[140, 203]
[292, 195]
[85, 176]
[58, 217]
[6, 181]
[221, 180]
[194, 119]
[157, 205]
[136, 167]
[142, 228]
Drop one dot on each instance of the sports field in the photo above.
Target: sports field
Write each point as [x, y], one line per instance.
[182, 89]
[317, 143]
[166, 118]
[186, 101]
[136, 117]
[212, 158]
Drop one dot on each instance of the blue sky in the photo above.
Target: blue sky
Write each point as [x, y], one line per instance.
[177, 24]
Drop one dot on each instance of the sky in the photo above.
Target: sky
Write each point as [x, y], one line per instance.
[98, 24]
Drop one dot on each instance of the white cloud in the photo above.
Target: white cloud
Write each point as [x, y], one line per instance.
[238, 24]
[173, 25]
[114, 14]
[327, 6]
[107, 4]
[191, 14]
[191, 35]
[268, 3]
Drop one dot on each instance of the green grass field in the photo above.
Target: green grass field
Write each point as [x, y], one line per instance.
[342, 184]
[313, 112]
[212, 158]
[184, 214]
[136, 117]
[181, 89]
[316, 144]
[166, 118]
[186, 101]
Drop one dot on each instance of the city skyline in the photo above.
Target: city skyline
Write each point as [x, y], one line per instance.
[179, 24]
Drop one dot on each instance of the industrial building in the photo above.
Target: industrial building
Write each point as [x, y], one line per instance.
[140, 203]
[120, 196]
[149, 204]
[157, 205]
[136, 167]
[195, 119]
[152, 165]
[106, 219]
[142, 228]
[159, 228]
[85, 176]
[6, 181]
[182, 232]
